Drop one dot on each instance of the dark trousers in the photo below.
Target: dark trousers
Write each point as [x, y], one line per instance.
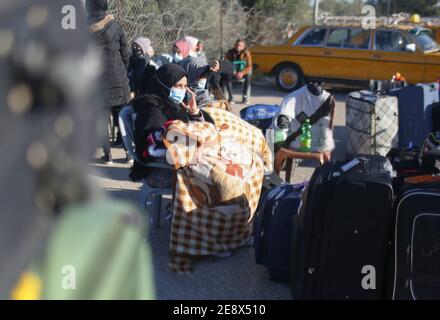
[226, 84]
[247, 87]
[114, 113]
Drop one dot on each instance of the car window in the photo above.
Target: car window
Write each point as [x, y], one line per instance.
[358, 39]
[391, 41]
[314, 37]
[423, 38]
[349, 39]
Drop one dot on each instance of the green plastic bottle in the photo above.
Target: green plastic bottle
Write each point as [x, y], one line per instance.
[280, 135]
[306, 136]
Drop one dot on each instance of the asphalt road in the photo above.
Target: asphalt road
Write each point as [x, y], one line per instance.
[236, 277]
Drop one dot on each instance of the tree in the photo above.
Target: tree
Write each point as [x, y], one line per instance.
[294, 10]
[342, 7]
[422, 7]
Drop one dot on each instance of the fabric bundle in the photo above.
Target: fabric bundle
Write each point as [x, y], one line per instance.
[219, 180]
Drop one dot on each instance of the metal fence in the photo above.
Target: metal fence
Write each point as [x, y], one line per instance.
[218, 23]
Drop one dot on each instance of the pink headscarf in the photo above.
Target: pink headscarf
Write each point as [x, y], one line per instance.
[192, 44]
[183, 47]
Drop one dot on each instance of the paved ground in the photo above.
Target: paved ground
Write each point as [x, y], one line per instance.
[237, 277]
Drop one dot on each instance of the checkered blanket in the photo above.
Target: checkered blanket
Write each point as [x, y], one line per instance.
[220, 171]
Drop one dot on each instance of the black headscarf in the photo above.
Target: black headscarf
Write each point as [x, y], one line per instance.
[96, 10]
[158, 94]
[166, 77]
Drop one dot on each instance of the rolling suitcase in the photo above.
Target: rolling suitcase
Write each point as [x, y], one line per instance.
[260, 115]
[273, 229]
[372, 123]
[417, 244]
[435, 117]
[341, 234]
[415, 113]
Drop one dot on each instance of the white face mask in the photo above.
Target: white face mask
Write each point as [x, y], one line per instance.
[177, 57]
[201, 84]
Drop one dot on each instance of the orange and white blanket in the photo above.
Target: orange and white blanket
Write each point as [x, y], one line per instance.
[220, 171]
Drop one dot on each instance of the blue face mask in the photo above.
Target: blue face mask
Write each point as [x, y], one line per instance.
[177, 95]
[177, 58]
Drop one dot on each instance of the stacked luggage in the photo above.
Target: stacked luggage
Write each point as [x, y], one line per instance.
[400, 118]
[368, 227]
[341, 236]
[372, 123]
[416, 105]
[416, 249]
[273, 228]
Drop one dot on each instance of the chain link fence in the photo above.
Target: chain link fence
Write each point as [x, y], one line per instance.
[217, 23]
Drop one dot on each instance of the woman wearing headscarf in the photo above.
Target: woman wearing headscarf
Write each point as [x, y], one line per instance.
[140, 70]
[111, 38]
[180, 51]
[154, 111]
[217, 184]
[193, 64]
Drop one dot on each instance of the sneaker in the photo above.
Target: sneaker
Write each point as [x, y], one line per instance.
[245, 101]
[231, 103]
[118, 141]
[226, 254]
[106, 159]
[129, 159]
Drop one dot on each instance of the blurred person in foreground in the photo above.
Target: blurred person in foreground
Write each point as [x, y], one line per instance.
[109, 35]
[241, 58]
[60, 238]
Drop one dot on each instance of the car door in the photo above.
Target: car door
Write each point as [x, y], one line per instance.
[307, 51]
[391, 55]
[347, 54]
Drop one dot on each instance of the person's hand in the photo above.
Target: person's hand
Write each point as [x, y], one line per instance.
[192, 104]
[215, 66]
[239, 75]
[132, 95]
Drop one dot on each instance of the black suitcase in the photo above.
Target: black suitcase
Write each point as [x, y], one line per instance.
[341, 234]
[416, 272]
[436, 117]
[273, 229]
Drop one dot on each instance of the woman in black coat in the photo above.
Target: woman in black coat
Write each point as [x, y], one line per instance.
[111, 38]
[153, 111]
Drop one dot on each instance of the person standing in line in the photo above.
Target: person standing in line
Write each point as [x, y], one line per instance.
[110, 37]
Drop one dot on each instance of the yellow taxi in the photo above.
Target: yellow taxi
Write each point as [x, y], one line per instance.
[351, 55]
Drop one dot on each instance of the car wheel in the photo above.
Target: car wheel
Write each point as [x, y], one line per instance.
[289, 77]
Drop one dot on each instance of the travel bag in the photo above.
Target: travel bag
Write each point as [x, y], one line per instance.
[416, 245]
[273, 229]
[415, 113]
[260, 115]
[341, 234]
[435, 117]
[372, 123]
